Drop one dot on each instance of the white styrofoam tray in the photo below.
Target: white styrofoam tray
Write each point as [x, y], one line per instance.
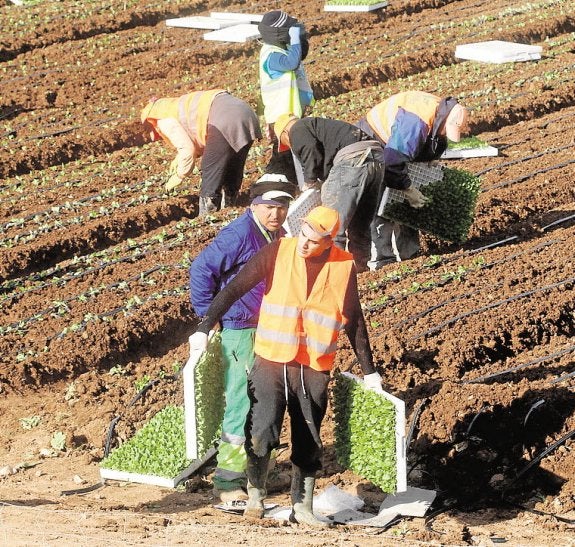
[299, 208]
[484, 151]
[235, 16]
[236, 33]
[125, 476]
[420, 174]
[354, 7]
[201, 22]
[497, 51]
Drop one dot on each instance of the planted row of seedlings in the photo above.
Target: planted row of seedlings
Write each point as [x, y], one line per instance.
[245, 86]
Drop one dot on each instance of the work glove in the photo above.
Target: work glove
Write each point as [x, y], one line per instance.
[173, 181]
[294, 35]
[173, 167]
[373, 382]
[198, 341]
[415, 198]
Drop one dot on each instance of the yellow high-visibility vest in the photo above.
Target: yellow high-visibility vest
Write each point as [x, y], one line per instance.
[382, 116]
[281, 95]
[191, 110]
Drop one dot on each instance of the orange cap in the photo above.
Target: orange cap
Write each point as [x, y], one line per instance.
[279, 127]
[323, 220]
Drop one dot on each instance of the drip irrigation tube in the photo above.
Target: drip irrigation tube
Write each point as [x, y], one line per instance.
[524, 159]
[491, 306]
[528, 175]
[482, 379]
[544, 453]
[414, 422]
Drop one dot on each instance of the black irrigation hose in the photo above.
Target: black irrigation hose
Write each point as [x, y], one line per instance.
[482, 379]
[414, 421]
[529, 175]
[524, 159]
[491, 306]
[75, 205]
[560, 221]
[483, 266]
[116, 311]
[74, 128]
[563, 378]
[536, 460]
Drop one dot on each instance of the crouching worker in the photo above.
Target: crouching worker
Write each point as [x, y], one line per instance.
[212, 270]
[310, 295]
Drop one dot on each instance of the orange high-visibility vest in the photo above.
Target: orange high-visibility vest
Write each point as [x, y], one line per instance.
[382, 116]
[296, 327]
[191, 110]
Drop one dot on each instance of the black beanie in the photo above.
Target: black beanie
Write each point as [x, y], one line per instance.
[274, 28]
[277, 19]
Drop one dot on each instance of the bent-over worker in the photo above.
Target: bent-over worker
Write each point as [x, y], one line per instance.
[213, 125]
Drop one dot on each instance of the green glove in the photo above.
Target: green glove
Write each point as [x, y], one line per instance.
[173, 181]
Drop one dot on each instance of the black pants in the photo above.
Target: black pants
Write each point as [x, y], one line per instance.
[306, 403]
[222, 166]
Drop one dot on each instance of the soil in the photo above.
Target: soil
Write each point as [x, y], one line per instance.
[476, 338]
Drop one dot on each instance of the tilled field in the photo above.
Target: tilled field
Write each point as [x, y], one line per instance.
[478, 339]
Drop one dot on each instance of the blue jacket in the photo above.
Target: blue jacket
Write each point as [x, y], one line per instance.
[220, 262]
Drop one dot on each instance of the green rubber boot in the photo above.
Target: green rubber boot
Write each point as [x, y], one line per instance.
[302, 485]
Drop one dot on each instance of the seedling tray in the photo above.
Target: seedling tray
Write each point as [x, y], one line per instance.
[299, 208]
[370, 433]
[470, 147]
[189, 433]
[201, 22]
[237, 17]
[452, 197]
[125, 476]
[354, 7]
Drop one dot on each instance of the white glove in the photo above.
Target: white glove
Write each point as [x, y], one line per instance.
[415, 198]
[294, 35]
[373, 381]
[198, 341]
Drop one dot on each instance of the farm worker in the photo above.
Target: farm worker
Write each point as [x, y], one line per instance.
[210, 272]
[310, 295]
[284, 86]
[348, 166]
[214, 125]
[412, 126]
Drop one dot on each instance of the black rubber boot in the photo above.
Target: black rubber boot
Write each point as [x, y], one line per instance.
[206, 206]
[302, 485]
[257, 472]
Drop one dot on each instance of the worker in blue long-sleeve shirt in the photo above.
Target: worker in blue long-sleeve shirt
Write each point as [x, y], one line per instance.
[284, 87]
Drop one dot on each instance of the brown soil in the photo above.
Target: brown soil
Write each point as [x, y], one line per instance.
[94, 258]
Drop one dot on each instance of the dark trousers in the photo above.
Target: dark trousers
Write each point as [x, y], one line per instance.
[306, 403]
[222, 166]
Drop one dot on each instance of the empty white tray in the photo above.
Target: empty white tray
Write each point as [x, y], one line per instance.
[201, 22]
[239, 17]
[497, 51]
[237, 33]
